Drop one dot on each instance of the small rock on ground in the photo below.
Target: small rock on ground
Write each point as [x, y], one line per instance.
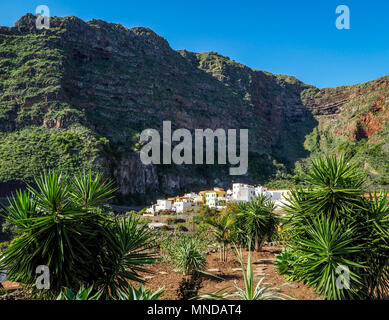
[236, 269]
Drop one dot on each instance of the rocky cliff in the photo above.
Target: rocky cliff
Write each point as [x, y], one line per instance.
[78, 95]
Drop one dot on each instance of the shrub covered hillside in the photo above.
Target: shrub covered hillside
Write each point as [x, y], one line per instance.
[77, 96]
[359, 128]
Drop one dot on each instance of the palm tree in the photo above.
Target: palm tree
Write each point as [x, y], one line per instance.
[257, 220]
[62, 226]
[331, 225]
[222, 227]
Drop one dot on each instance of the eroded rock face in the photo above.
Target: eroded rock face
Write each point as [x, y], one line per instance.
[115, 82]
[333, 100]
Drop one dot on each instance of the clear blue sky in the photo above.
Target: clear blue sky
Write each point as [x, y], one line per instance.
[281, 36]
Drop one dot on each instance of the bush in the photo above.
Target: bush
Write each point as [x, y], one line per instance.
[333, 228]
[60, 226]
[255, 220]
[284, 262]
[187, 256]
[181, 227]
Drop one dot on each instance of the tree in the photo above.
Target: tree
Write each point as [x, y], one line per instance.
[333, 229]
[61, 225]
[256, 220]
[222, 227]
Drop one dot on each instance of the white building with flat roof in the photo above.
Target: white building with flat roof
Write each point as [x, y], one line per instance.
[260, 190]
[163, 205]
[278, 196]
[191, 195]
[181, 206]
[243, 192]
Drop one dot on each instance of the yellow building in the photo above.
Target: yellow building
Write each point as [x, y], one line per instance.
[213, 197]
[201, 197]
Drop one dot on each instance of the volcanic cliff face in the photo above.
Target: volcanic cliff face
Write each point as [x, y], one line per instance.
[79, 94]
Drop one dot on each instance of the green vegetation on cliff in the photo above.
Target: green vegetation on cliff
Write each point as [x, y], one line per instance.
[79, 94]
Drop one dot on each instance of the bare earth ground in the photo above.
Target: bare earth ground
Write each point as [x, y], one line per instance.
[164, 276]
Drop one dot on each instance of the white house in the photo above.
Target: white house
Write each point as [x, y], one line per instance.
[191, 196]
[210, 199]
[243, 192]
[278, 196]
[182, 206]
[151, 210]
[260, 190]
[163, 205]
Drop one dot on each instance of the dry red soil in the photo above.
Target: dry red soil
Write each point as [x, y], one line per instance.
[164, 276]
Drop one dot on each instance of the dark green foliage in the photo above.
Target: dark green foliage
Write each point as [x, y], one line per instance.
[61, 226]
[284, 262]
[188, 256]
[82, 294]
[26, 153]
[333, 227]
[256, 221]
[127, 252]
[327, 247]
[189, 286]
[90, 294]
[141, 294]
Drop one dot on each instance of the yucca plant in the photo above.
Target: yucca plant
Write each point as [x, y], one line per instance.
[128, 250]
[251, 290]
[332, 225]
[130, 294]
[336, 187]
[222, 227]
[82, 294]
[256, 220]
[60, 226]
[188, 257]
[377, 228]
[325, 254]
[53, 232]
[140, 294]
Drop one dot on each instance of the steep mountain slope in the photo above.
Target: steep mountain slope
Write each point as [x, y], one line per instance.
[79, 94]
[354, 120]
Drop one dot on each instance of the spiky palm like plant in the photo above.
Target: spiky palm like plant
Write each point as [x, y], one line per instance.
[250, 291]
[127, 251]
[256, 221]
[60, 227]
[82, 294]
[130, 294]
[331, 225]
[222, 227]
[327, 247]
[188, 257]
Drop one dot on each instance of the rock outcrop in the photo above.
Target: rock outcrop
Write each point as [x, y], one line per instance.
[105, 83]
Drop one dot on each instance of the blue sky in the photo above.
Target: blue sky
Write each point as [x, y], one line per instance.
[297, 38]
